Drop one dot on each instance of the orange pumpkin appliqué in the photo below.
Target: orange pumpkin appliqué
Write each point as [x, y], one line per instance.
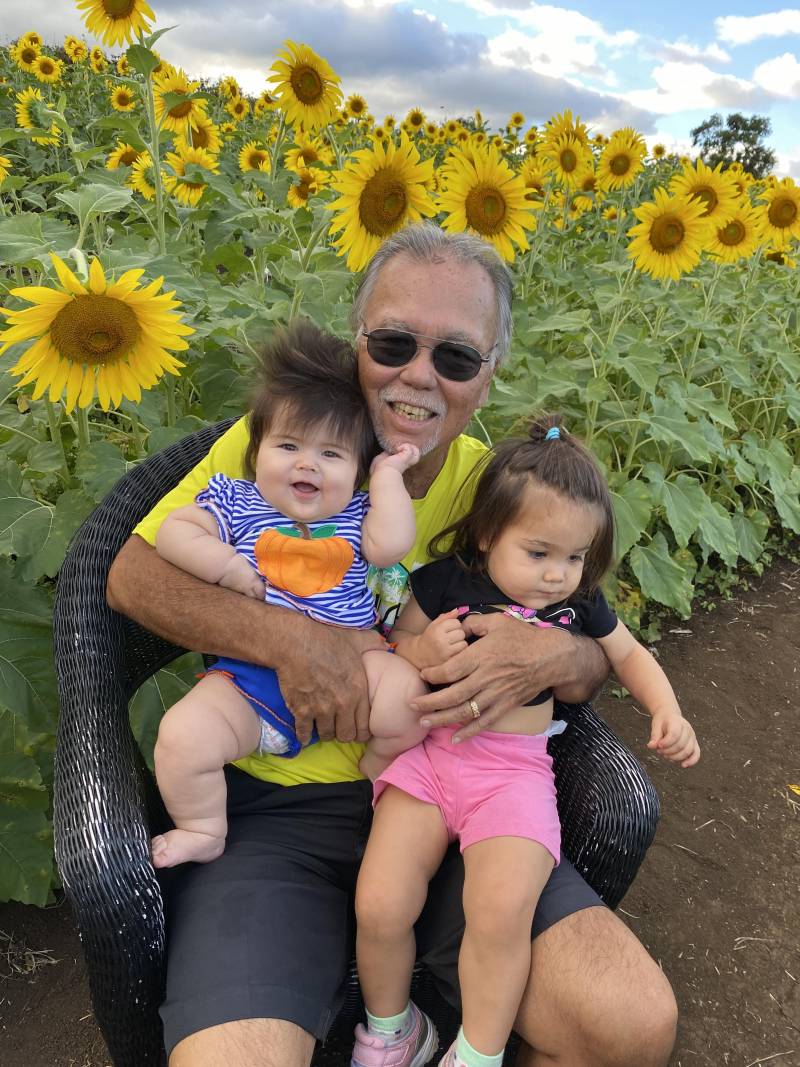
[301, 562]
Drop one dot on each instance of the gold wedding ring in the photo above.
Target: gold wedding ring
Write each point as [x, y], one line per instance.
[473, 707]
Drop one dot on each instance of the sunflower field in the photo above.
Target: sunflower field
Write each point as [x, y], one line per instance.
[153, 227]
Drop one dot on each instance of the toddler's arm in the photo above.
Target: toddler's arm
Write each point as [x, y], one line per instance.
[389, 527]
[189, 538]
[427, 643]
[670, 735]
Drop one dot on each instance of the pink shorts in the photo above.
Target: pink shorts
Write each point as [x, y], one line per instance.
[493, 785]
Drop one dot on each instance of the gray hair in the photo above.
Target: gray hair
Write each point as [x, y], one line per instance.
[428, 243]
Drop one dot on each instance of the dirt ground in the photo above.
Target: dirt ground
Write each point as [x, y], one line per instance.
[716, 902]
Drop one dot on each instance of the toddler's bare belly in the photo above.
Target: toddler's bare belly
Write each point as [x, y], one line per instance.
[529, 720]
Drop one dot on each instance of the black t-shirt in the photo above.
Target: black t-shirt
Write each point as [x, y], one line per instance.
[445, 584]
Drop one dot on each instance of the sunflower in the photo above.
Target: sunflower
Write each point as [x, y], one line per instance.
[265, 102]
[186, 191]
[141, 177]
[379, 134]
[116, 21]
[463, 136]
[184, 113]
[29, 101]
[25, 55]
[204, 134]
[381, 190]
[451, 127]
[355, 106]
[307, 152]
[123, 66]
[254, 157]
[485, 196]
[123, 98]
[390, 122]
[105, 338]
[739, 237]
[498, 142]
[568, 159]
[311, 181]
[227, 128]
[79, 53]
[478, 138]
[97, 61]
[69, 44]
[716, 191]
[658, 151]
[781, 259]
[531, 137]
[780, 213]
[32, 37]
[621, 160]
[563, 125]
[238, 108]
[612, 213]
[307, 88]
[5, 168]
[415, 119]
[516, 120]
[671, 235]
[229, 88]
[431, 130]
[124, 155]
[536, 178]
[47, 69]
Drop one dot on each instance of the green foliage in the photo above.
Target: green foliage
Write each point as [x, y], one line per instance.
[737, 140]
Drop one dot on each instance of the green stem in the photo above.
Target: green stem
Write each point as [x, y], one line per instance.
[54, 426]
[169, 383]
[84, 436]
[155, 130]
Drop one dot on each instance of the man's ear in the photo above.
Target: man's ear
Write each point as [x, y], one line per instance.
[485, 390]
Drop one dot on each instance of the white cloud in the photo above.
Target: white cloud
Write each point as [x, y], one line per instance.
[788, 163]
[742, 29]
[680, 50]
[688, 86]
[573, 58]
[780, 75]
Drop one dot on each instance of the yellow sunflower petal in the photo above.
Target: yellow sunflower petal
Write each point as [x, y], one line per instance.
[74, 382]
[66, 277]
[97, 278]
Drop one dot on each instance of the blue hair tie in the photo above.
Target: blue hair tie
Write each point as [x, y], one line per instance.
[553, 434]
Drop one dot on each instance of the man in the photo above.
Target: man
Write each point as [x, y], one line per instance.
[260, 938]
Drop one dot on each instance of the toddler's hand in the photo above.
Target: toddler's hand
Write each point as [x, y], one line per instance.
[242, 578]
[406, 456]
[672, 737]
[444, 637]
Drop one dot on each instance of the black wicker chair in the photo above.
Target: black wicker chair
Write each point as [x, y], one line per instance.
[103, 792]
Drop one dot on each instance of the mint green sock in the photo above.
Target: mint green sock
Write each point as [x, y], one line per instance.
[466, 1056]
[394, 1027]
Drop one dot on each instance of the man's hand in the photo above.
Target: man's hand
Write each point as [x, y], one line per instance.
[242, 578]
[673, 738]
[510, 663]
[325, 682]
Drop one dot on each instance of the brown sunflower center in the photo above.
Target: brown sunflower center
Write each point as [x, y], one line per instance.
[356, 106]
[256, 157]
[27, 55]
[95, 329]
[130, 155]
[485, 208]
[307, 84]
[123, 97]
[309, 155]
[620, 164]
[46, 66]
[732, 234]
[201, 137]
[568, 160]
[666, 234]
[589, 183]
[180, 111]
[118, 9]
[782, 212]
[302, 190]
[415, 119]
[382, 204]
[776, 257]
[708, 196]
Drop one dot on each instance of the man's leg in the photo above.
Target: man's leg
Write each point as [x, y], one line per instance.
[260, 939]
[595, 998]
[594, 991]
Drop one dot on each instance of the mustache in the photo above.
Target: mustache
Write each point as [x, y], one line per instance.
[393, 395]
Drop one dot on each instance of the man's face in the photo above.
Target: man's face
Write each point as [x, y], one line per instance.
[449, 300]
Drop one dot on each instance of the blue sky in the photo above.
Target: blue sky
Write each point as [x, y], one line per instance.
[662, 68]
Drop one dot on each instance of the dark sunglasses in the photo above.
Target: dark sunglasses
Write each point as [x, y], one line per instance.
[451, 359]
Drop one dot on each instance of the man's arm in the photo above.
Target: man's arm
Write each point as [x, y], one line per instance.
[509, 663]
[319, 667]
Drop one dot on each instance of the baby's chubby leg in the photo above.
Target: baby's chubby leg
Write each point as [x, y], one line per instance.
[211, 726]
[393, 683]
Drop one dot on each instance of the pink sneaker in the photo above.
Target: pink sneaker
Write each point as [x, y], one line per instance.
[413, 1051]
[449, 1058]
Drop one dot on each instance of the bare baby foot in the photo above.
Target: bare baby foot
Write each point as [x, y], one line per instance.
[185, 846]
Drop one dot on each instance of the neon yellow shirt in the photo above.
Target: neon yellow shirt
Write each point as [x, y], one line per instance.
[332, 761]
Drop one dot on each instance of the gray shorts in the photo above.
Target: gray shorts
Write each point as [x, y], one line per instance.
[268, 929]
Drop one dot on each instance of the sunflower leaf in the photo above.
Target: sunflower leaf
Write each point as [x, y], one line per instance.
[26, 843]
[660, 577]
[94, 199]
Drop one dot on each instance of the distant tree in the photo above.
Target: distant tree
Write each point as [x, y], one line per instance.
[737, 140]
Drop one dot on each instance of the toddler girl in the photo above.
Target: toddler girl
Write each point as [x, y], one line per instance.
[534, 546]
[300, 536]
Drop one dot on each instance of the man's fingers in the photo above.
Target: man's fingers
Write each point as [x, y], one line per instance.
[452, 670]
[361, 720]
